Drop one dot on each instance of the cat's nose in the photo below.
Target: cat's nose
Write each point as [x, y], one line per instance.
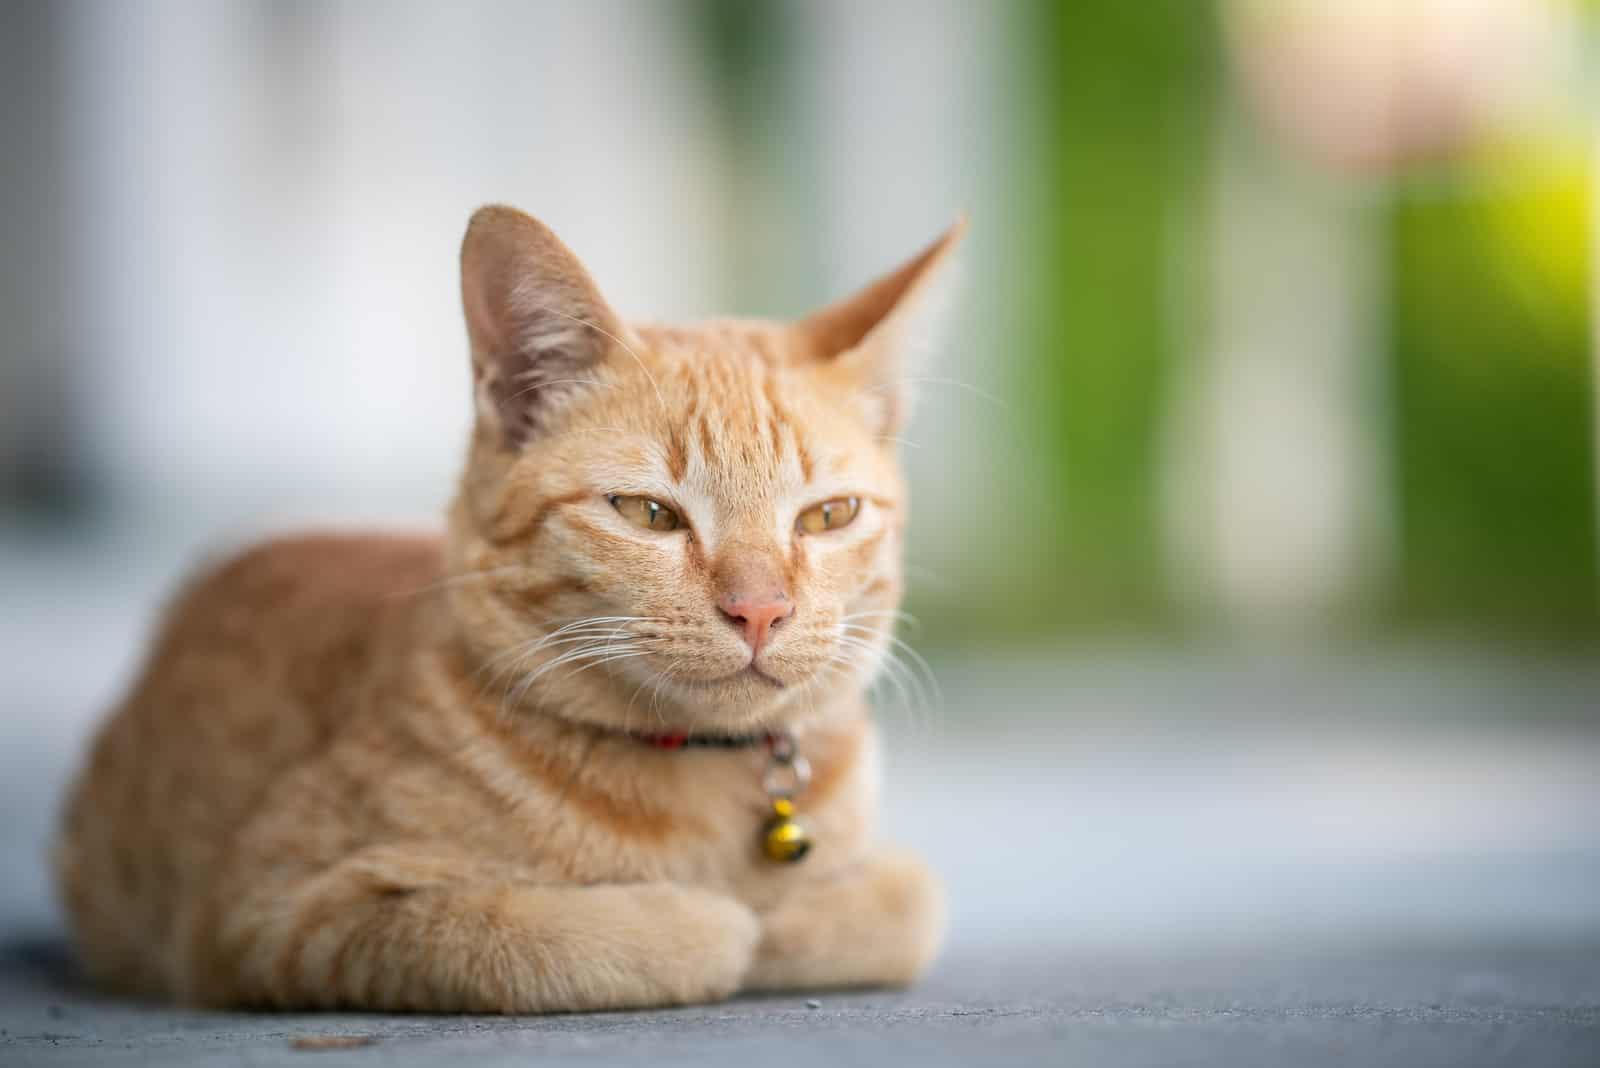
[755, 616]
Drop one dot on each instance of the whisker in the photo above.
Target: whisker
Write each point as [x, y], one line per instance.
[925, 574]
[583, 624]
[465, 576]
[627, 711]
[604, 630]
[595, 382]
[899, 666]
[600, 430]
[934, 380]
[659, 691]
[625, 347]
[885, 613]
[606, 658]
[595, 648]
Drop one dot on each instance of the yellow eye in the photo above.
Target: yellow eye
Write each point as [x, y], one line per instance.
[644, 512]
[829, 515]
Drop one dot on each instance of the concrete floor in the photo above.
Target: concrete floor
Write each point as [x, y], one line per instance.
[1152, 860]
[1403, 1005]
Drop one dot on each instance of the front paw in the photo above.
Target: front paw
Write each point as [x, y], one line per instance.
[626, 946]
[878, 924]
[709, 942]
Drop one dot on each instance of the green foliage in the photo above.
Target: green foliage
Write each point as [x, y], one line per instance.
[1489, 305]
[1116, 152]
[1493, 393]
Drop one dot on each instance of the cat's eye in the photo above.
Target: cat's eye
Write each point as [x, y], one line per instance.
[829, 515]
[645, 512]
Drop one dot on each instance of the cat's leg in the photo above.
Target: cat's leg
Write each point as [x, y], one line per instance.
[876, 924]
[403, 928]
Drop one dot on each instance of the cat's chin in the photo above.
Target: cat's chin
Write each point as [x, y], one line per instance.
[742, 701]
[749, 676]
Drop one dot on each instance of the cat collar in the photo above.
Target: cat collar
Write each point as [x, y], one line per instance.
[783, 838]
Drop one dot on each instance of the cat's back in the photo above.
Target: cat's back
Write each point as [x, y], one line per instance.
[275, 640]
[258, 662]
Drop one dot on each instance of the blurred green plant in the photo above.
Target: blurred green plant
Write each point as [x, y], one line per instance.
[1112, 163]
[1105, 279]
[1493, 391]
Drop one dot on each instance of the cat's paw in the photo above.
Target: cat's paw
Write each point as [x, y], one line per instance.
[624, 946]
[878, 924]
[700, 943]
[628, 945]
[910, 898]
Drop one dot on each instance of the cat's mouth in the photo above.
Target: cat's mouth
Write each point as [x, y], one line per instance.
[763, 676]
[749, 671]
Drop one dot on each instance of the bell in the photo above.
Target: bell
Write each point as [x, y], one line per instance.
[785, 839]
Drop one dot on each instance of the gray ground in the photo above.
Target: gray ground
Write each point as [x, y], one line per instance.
[1152, 860]
[1396, 1004]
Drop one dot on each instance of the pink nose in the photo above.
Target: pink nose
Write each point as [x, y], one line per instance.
[756, 616]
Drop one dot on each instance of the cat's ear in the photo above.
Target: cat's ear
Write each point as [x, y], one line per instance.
[868, 335]
[536, 321]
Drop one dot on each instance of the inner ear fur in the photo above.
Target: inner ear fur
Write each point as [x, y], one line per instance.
[536, 321]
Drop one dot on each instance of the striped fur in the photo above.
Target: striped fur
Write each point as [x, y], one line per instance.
[389, 772]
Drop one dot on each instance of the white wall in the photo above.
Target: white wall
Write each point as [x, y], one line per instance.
[906, 96]
[271, 201]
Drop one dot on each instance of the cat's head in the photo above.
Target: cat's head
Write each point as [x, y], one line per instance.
[677, 527]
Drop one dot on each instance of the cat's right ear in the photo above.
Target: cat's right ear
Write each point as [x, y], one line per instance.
[536, 321]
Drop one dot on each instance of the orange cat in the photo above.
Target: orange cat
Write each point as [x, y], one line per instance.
[529, 766]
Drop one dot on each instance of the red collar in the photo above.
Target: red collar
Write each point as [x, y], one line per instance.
[685, 740]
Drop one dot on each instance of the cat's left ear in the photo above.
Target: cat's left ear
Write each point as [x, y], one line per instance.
[867, 335]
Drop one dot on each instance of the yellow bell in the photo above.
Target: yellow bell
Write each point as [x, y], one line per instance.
[784, 838]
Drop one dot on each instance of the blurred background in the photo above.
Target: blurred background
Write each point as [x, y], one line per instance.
[1255, 481]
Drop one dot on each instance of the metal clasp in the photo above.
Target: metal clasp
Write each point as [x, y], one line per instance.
[788, 772]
